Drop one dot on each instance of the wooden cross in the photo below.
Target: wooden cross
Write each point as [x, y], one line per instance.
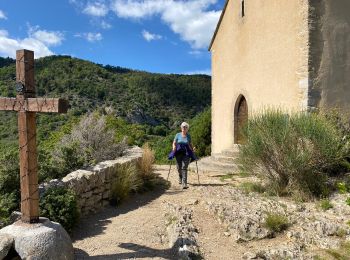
[27, 105]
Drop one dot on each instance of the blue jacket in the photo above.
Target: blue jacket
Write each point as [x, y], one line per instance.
[183, 148]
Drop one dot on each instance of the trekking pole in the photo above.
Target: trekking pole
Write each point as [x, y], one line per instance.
[171, 162]
[197, 172]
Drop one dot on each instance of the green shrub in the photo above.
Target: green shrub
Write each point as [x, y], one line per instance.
[162, 147]
[325, 204]
[346, 180]
[347, 201]
[8, 203]
[9, 171]
[294, 152]
[79, 143]
[127, 180]
[341, 186]
[60, 205]
[276, 222]
[200, 131]
[66, 159]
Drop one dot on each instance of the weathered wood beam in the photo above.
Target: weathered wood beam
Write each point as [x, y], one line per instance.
[27, 138]
[49, 105]
[28, 167]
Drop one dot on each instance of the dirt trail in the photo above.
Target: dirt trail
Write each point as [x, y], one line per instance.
[136, 229]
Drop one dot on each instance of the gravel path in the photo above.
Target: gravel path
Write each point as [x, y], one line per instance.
[219, 212]
[136, 229]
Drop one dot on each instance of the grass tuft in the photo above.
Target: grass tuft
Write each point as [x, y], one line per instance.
[127, 181]
[342, 253]
[249, 187]
[276, 223]
[325, 204]
[228, 176]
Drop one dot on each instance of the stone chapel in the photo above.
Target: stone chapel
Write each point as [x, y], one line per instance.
[290, 54]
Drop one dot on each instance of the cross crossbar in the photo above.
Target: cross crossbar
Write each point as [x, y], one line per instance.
[48, 105]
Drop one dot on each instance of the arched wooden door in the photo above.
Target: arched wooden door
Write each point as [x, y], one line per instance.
[240, 119]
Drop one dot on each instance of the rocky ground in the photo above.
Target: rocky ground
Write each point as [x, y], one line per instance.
[216, 219]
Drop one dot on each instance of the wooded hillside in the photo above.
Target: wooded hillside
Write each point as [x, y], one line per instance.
[136, 96]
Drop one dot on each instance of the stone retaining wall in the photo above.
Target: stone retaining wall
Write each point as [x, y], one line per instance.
[93, 186]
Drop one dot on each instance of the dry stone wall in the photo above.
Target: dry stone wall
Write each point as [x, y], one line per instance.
[93, 186]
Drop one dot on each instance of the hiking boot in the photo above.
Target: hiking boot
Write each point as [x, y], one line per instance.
[184, 186]
[180, 181]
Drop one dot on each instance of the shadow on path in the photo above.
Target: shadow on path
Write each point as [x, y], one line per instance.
[97, 222]
[138, 251]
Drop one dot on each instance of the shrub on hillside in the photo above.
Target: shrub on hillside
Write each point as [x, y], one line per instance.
[9, 171]
[88, 143]
[162, 146]
[8, 204]
[9, 183]
[60, 205]
[201, 133]
[294, 152]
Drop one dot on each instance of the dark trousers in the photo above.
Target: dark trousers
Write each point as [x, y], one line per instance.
[182, 162]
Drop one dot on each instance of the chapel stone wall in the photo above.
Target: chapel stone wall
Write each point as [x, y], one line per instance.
[262, 56]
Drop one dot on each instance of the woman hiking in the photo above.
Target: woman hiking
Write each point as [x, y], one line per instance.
[183, 151]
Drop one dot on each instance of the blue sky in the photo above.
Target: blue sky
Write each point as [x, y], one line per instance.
[166, 36]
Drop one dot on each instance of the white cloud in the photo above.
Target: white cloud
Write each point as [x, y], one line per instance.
[202, 72]
[91, 37]
[38, 41]
[8, 46]
[96, 9]
[139, 9]
[48, 37]
[195, 52]
[190, 19]
[105, 25]
[150, 36]
[3, 33]
[2, 15]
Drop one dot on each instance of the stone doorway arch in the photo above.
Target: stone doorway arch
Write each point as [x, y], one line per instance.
[240, 119]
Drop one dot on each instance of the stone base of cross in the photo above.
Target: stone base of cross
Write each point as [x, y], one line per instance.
[27, 105]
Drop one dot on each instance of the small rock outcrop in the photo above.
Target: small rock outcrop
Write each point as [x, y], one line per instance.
[181, 232]
[309, 227]
[243, 215]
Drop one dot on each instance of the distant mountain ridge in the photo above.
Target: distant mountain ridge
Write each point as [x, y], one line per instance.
[137, 96]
